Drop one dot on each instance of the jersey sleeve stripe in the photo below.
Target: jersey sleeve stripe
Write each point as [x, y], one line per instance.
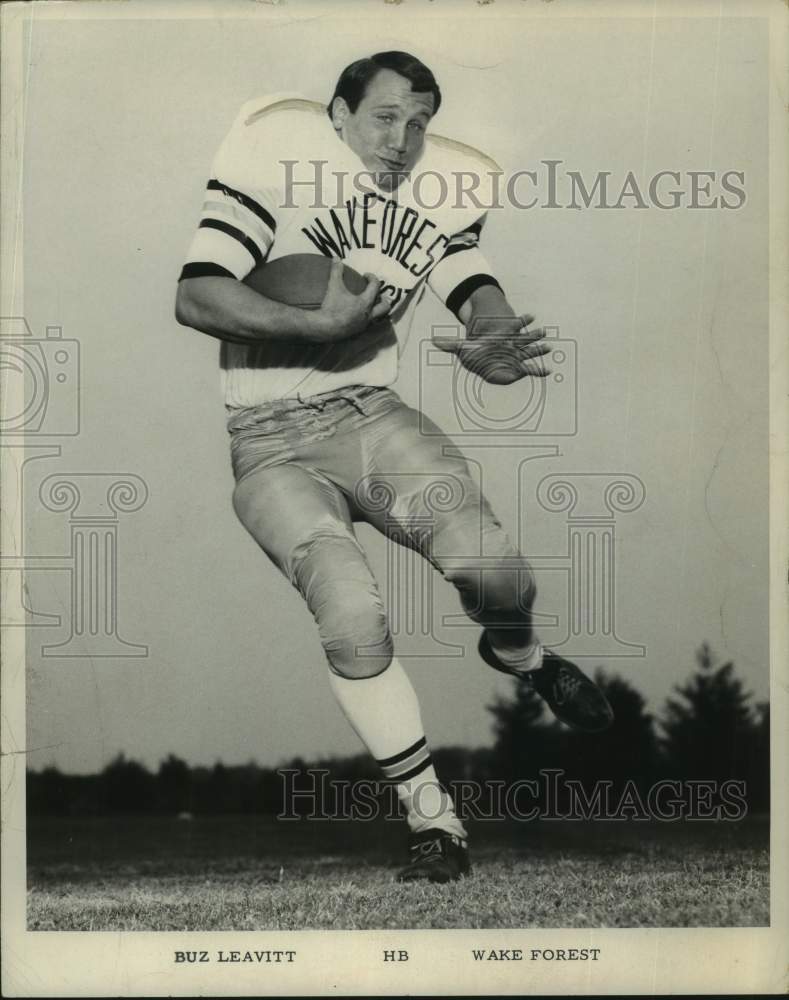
[461, 292]
[234, 215]
[246, 242]
[204, 269]
[246, 201]
[214, 246]
[467, 239]
[454, 248]
[455, 268]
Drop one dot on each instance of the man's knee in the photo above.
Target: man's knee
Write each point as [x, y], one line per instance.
[510, 586]
[354, 663]
[332, 575]
[355, 634]
[503, 588]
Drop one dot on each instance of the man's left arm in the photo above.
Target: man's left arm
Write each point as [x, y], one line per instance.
[498, 345]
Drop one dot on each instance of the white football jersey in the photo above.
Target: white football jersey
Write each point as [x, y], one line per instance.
[283, 182]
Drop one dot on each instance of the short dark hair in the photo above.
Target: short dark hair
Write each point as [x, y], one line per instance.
[354, 79]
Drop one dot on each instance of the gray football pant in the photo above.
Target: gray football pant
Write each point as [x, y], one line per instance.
[307, 469]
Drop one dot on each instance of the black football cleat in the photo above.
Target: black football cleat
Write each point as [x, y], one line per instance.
[571, 696]
[436, 856]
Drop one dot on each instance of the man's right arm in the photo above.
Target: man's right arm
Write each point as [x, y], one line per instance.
[237, 229]
[227, 309]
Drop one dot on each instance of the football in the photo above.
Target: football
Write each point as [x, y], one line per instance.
[300, 279]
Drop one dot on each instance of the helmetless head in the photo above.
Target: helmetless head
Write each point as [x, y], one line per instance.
[380, 108]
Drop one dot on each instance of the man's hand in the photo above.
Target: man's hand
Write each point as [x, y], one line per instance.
[343, 314]
[501, 350]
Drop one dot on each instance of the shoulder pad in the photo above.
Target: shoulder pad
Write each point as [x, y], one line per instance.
[440, 142]
[257, 110]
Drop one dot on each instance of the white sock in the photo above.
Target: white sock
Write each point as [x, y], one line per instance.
[384, 711]
[520, 661]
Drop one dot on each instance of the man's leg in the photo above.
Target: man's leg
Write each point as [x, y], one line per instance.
[436, 507]
[301, 520]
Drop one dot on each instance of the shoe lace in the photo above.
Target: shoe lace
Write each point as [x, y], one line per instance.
[566, 685]
[428, 848]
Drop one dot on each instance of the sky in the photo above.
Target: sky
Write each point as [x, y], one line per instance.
[663, 311]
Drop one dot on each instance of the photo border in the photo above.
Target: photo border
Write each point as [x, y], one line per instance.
[643, 961]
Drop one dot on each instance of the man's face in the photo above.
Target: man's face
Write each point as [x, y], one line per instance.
[387, 130]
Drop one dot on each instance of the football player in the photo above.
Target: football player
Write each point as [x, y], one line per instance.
[318, 437]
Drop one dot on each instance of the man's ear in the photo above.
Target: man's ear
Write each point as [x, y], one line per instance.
[339, 112]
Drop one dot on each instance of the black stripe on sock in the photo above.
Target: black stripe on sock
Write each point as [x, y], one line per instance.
[205, 269]
[458, 296]
[427, 762]
[388, 761]
[245, 200]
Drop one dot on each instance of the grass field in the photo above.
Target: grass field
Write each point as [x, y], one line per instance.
[252, 873]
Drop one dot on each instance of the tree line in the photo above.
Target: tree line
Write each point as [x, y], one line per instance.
[709, 731]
